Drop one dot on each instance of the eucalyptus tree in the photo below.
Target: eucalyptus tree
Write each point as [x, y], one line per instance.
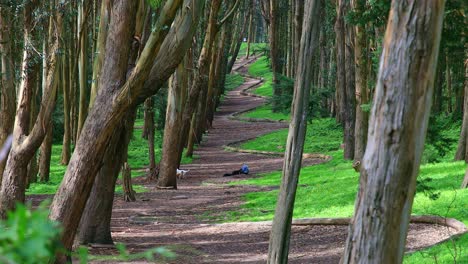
[398, 126]
[281, 229]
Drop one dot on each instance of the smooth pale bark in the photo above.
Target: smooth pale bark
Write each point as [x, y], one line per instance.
[82, 36]
[297, 24]
[116, 97]
[8, 94]
[100, 46]
[345, 76]
[397, 131]
[170, 151]
[26, 141]
[67, 127]
[45, 153]
[199, 80]
[281, 227]
[360, 58]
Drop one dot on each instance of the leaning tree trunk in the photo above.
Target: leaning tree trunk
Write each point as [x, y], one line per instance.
[162, 53]
[96, 218]
[462, 149]
[399, 121]
[8, 93]
[281, 229]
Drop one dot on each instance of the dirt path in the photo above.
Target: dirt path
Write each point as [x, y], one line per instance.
[177, 218]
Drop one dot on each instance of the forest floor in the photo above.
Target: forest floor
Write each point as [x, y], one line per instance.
[187, 220]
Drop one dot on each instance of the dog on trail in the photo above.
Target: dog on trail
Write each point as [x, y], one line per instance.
[181, 173]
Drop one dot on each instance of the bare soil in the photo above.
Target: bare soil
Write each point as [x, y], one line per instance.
[180, 219]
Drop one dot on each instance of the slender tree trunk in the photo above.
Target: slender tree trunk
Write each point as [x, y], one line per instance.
[172, 135]
[191, 138]
[100, 46]
[237, 46]
[67, 127]
[8, 93]
[281, 229]
[199, 80]
[45, 155]
[26, 141]
[360, 57]
[274, 53]
[249, 39]
[82, 63]
[448, 82]
[129, 193]
[149, 127]
[399, 121]
[461, 149]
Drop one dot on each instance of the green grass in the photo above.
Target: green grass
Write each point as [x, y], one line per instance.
[261, 69]
[233, 81]
[138, 157]
[265, 111]
[255, 48]
[329, 189]
[323, 135]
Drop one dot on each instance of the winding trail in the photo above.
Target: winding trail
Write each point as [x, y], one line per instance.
[180, 219]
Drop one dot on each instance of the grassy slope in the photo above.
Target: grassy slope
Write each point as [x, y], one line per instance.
[329, 189]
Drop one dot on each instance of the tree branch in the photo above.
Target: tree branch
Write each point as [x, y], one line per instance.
[229, 14]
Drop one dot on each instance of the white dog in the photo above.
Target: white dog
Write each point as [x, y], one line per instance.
[181, 173]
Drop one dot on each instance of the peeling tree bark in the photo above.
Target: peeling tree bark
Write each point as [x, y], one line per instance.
[281, 228]
[116, 97]
[25, 143]
[396, 136]
[8, 94]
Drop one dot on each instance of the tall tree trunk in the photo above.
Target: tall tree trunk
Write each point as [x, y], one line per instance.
[149, 127]
[275, 53]
[448, 82]
[96, 218]
[237, 44]
[161, 55]
[170, 151]
[26, 141]
[199, 80]
[82, 63]
[345, 76]
[8, 93]
[45, 155]
[360, 57]
[461, 149]
[250, 33]
[67, 127]
[399, 121]
[281, 229]
[129, 193]
[100, 49]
